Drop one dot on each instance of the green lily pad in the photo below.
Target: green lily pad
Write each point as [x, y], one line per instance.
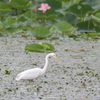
[95, 4]
[41, 32]
[81, 9]
[71, 18]
[48, 46]
[86, 26]
[93, 35]
[39, 47]
[19, 4]
[55, 4]
[63, 26]
[13, 30]
[4, 9]
[35, 47]
[9, 22]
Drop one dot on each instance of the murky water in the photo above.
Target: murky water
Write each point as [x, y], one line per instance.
[77, 77]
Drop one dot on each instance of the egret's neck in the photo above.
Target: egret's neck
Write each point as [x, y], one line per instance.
[46, 63]
[45, 66]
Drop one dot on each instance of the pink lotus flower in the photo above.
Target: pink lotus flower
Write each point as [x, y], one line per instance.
[44, 7]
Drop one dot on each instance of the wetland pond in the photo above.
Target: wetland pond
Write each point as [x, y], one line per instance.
[77, 77]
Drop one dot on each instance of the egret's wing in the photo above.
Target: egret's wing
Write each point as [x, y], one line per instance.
[29, 74]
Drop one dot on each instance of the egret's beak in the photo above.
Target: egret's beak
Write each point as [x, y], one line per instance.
[57, 58]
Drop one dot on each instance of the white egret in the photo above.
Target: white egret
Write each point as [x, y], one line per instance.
[34, 73]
